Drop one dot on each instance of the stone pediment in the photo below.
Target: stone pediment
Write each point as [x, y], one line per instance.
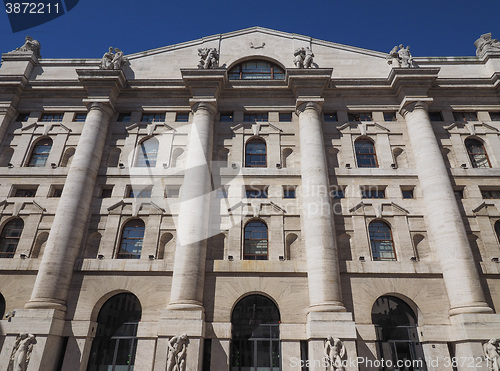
[472, 128]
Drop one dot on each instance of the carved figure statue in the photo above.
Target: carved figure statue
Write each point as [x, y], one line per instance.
[113, 61]
[401, 57]
[486, 44]
[492, 352]
[209, 58]
[176, 353]
[30, 45]
[21, 353]
[303, 57]
[299, 55]
[335, 354]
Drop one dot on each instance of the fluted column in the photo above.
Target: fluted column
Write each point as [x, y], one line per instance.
[322, 261]
[54, 277]
[445, 222]
[189, 266]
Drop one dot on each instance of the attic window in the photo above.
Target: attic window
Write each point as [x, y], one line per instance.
[256, 70]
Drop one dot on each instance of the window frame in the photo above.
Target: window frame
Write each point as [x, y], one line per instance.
[36, 154]
[241, 72]
[473, 157]
[248, 156]
[365, 155]
[130, 255]
[249, 255]
[153, 117]
[51, 117]
[145, 156]
[4, 244]
[375, 242]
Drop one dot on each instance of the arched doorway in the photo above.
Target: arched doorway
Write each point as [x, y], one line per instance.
[115, 343]
[397, 336]
[255, 344]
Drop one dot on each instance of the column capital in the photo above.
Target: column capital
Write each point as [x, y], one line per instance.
[204, 83]
[103, 86]
[304, 103]
[209, 105]
[412, 104]
[104, 106]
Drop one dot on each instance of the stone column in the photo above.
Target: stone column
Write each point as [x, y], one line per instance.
[446, 225]
[322, 262]
[55, 273]
[189, 267]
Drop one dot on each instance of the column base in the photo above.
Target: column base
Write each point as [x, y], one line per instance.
[335, 306]
[186, 305]
[47, 325]
[46, 303]
[472, 308]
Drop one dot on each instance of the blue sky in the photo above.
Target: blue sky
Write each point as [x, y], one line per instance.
[431, 28]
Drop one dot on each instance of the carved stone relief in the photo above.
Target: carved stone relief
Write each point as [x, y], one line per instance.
[20, 357]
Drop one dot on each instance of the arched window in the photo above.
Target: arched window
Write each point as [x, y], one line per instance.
[148, 152]
[365, 153]
[131, 241]
[381, 241]
[256, 70]
[477, 153]
[115, 343]
[255, 153]
[255, 245]
[255, 343]
[9, 239]
[40, 153]
[397, 335]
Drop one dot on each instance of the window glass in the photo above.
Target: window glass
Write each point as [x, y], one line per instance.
[124, 117]
[365, 153]
[435, 116]
[57, 192]
[490, 194]
[373, 193]
[477, 154]
[106, 192]
[495, 116]
[51, 117]
[131, 241]
[153, 117]
[9, 239]
[226, 117]
[465, 116]
[338, 193]
[255, 154]
[25, 192]
[80, 117]
[182, 117]
[148, 153]
[285, 116]
[23, 117]
[330, 116]
[381, 241]
[389, 116]
[256, 117]
[256, 192]
[256, 70]
[40, 153]
[360, 116]
[136, 192]
[255, 245]
[289, 192]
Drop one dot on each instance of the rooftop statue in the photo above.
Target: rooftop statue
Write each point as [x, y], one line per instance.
[400, 57]
[485, 44]
[113, 61]
[30, 45]
[209, 58]
[303, 58]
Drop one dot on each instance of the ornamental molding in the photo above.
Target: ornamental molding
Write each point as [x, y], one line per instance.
[363, 127]
[471, 128]
[379, 209]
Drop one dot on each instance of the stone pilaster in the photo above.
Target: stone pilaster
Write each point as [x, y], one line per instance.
[321, 248]
[446, 225]
[192, 230]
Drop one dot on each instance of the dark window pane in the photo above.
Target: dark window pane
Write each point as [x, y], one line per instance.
[256, 117]
[182, 117]
[25, 192]
[285, 117]
[256, 70]
[226, 117]
[153, 117]
[124, 117]
[255, 154]
[139, 193]
[338, 193]
[465, 116]
[477, 154]
[490, 194]
[23, 117]
[495, 116]
[51, 117]
[381, 241]
[389, 116]
[435, 116]
[131, 241]
[407, 193]
[362, 116]
[256, 192]
[40, 153]
[289, 193]
[9, 239]
[106, 192]
[330, 117]
[80, 117]
[148, 153]
[459, 193]
[255, 245]
[57, 192]
[373, 193]
[365, 153]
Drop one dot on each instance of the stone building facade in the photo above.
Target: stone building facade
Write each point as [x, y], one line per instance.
[255, 200]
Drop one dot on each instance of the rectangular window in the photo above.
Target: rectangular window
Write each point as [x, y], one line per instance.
[390, 116]
[285, 117]
[338, 193]
[373, 193]
[465, 116]
[56, 191]
[288, 192]
[492, 194]
[256, 117]
[407, 193]
[495, 116]
[138, 192]
[435, 116]
[173, 191]
[106, 192]
[360, 116]
[182, 117]
[124, 117]
[51, 117]
[153, 117]
[25, 191]
[459, 193]
[256, 192]
[23, 117]
[80, 117]
[226, 117]
[330, 117]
